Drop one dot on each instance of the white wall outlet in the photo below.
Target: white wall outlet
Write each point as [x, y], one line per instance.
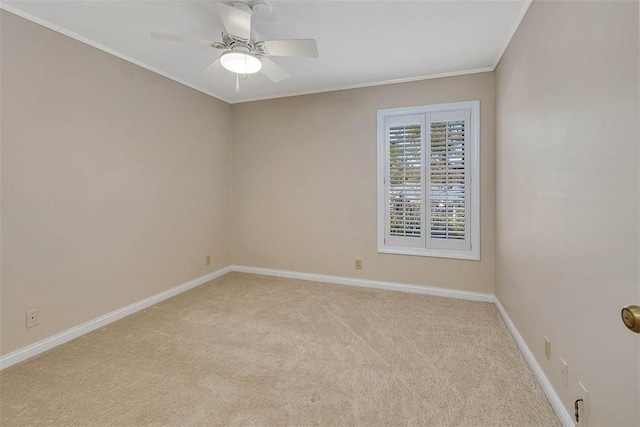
[32, 318]
[547, 348]
[207, 260]
[358, 264]
[564, 370]
[583, 407]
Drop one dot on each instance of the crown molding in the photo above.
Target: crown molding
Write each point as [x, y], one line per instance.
[96, 45]
[521, 14]
[58, 29]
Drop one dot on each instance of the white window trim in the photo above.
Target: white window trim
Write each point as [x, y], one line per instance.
[474, 155]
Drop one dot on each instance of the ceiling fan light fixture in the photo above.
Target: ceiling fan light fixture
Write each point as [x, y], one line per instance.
[240, 62]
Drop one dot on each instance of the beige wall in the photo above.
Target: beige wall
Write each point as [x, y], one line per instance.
[567, 197]
[304, 184]
[116, 182]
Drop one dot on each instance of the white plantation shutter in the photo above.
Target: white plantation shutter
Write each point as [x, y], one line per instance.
[448, 181]
[405, 180]
[428, 201]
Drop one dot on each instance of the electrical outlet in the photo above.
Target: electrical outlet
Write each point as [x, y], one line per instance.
[208, 260]
[583, 407]
[564, 370]
[547, 348]
[358, 264]
[32, 318]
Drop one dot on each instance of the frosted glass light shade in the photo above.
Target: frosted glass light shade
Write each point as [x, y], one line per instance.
[240, 62]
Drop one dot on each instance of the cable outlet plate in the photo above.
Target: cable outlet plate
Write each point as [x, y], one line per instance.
[32, 318]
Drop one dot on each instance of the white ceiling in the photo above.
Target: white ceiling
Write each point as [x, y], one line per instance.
[361, 43]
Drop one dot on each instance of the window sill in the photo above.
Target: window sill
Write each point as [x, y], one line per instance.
[435, 253]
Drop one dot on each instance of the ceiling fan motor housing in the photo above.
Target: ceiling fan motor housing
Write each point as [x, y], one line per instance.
[236, 43]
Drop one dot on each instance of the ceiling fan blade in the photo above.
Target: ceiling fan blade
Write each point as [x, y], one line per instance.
[237, 22]
[293, 47]
[192, 40]
[273, 71]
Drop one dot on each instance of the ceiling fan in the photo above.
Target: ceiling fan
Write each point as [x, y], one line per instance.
[242, 55]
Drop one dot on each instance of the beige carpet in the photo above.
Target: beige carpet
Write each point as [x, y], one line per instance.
[255, 350]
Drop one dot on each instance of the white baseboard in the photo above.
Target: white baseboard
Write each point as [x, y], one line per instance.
[426, 290]
[561, 411]
[65, 336]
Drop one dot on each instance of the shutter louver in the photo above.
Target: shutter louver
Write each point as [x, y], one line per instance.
[448, 185]
[405, 180]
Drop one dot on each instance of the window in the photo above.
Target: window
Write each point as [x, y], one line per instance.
[428, 180]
